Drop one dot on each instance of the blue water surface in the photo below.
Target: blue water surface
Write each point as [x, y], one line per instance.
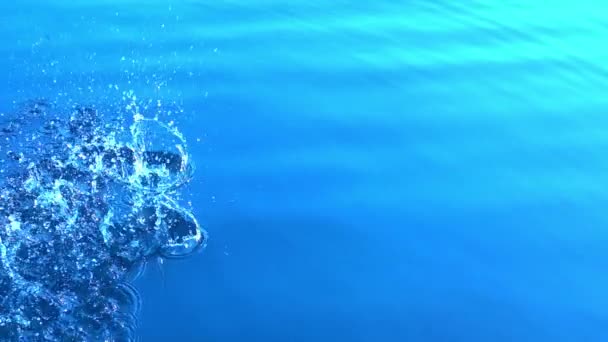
[367, 171]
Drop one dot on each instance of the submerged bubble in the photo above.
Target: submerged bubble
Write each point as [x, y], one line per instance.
[84, 204]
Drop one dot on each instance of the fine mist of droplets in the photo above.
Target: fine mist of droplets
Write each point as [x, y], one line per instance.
[86, 198]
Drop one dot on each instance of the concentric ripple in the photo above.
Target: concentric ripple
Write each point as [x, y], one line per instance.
[84, 202]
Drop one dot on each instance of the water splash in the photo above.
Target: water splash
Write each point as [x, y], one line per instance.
[84, 202]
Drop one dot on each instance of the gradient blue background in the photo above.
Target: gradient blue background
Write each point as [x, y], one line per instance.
[367, 171]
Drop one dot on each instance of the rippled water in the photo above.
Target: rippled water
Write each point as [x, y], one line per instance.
[425, 171]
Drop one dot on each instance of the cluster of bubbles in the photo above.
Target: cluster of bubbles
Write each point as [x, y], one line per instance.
[84, 203]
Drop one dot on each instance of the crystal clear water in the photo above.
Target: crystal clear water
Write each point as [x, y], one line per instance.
[382, 171]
